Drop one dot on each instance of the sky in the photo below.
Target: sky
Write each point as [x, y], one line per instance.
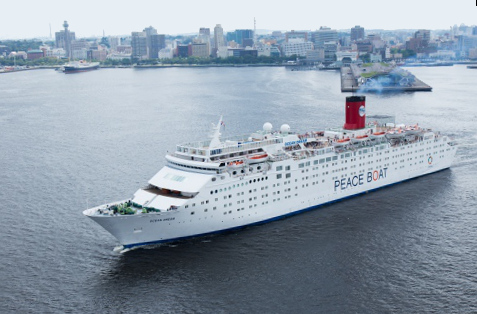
[90, 18]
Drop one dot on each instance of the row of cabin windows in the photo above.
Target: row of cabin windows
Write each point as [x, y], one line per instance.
[238, 185]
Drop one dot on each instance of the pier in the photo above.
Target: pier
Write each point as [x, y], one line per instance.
[380, 77]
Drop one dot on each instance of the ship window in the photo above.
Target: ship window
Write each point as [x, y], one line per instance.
[279, 176]
[335, 157]
[301, 165]
[288, 175]
[173, 177]
[322, 161]
[287, 167]
[307, 164]
[328, 159]
[192, 213]
[279, 168]
[211, 192]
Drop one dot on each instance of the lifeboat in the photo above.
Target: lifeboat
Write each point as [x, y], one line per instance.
[377, 135]
[395, 134]
[412, 130]
[257, 158]
[235, 164]
[341, 142]
[360, 138]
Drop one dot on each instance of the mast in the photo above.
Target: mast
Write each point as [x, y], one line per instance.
[215, 142]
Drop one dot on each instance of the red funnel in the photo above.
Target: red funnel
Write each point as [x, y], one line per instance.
[355, 113]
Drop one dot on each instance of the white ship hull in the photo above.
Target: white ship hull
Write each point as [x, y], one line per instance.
[307, 184]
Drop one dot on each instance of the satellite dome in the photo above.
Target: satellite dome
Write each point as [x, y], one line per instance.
[267, 127]
[285, 128]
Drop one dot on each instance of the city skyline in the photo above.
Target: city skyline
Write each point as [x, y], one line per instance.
[170, 19]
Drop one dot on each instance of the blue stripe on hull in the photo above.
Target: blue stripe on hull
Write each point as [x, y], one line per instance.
[128, 246]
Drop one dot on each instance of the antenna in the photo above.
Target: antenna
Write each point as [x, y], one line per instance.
[50, 31]
[254, 33]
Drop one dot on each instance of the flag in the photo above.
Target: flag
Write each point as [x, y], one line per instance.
[222, 123]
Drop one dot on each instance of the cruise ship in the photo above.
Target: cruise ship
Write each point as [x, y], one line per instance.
[224, 184]
[80, 66]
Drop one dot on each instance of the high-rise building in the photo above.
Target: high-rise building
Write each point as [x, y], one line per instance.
[297, 48]
[296, 36]
[423, 34]
[204, 38]
[357, 33]
[149, 31]
[183, 51]
[239, 35]
[114, 42]
[200, 50]
[218, 37]
[156, 43]
[63, 39]
[139, 45]
[323, 35]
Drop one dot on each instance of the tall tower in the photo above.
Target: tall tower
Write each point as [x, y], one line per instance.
[218, 38]
[67, 40]
[254, 33]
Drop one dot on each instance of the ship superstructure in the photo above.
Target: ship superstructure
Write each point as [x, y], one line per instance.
[217, 185]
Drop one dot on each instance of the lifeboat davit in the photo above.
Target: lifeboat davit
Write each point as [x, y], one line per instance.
[341, 142]
[377, 135]
[235, 164]
[394, 134]
[257, 158]
[360, 138]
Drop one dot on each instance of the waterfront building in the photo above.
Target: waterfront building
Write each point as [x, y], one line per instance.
[347, 56]
[315, 56]
[357, 33]
[98, 55]
[324, 34]
[445, 54]
[218, 38]
[156, 43]
[296, 36]
[79, 49]
[200, 50]
[472, 53]
[64, 38]
[166, 53]
[55, 52]
[239, 35]
[114, 42]
[118, 56]
[125, 49]
[139, 45]
[330, 47]
[183, 51]
[35, 54]
[204, 38]
[224, 52]
[242, 52]
[297, 48]
[79, 54]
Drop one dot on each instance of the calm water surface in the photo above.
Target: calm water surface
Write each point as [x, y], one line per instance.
[73, 141]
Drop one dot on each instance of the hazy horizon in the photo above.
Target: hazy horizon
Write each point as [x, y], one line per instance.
[92, 18]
